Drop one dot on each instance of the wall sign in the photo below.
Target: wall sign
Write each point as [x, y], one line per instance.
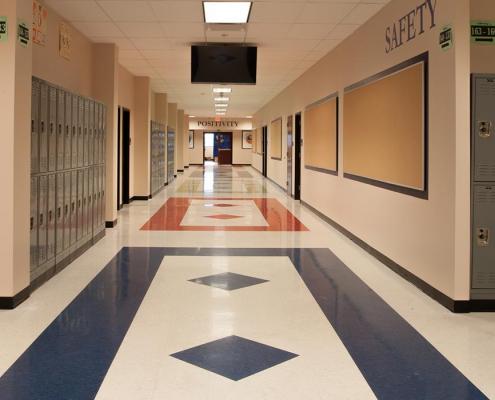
[64, 41]
[411, 25]
[220, 125]
[23, 33]
[483, 32]
[446, 38]
[4, 29]
[40, 22]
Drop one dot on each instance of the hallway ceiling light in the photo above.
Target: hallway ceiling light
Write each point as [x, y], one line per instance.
[222, 105]
[221, 99]
[249, 116]
[220, 113]
[226, 12]
[222, 90]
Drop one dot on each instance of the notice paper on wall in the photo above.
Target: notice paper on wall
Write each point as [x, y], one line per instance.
[23, 33]
[4, 29]
[483, 32]
[446, 38]
[40, 22]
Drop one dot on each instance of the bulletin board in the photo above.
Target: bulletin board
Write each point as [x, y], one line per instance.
[386, 129]
[321, 135]
[276, 139]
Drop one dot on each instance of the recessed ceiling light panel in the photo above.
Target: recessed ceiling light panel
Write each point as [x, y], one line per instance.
[221, 99]
[226, 12]
[222, 90]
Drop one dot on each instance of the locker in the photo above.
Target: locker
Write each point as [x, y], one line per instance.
[67, 209]
[51, 217]
[75, 131]
[86, 132]
[68, 131]
[35, 110]
[97, 216]
[33, 233]
[79, 205]
[59, 214]
[43, 128]
[97, 127]
[80, 132]
[42, 220]
[85, 202]
[103, 134]
[90, 200]
[52, 128]
[102, 196]
[73, 207]
[60, 129]
[91, 131]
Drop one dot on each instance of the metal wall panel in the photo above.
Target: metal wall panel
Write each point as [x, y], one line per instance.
[43, 128]
[52, 128]
[68, 131]
[80, 132]
[33, 233]
[91, 132]
[73, 207]
[75, 131]
[79, 204]
[42, 219]
[35, 121]
[51, 216]
[67, 210]
[59, 214]
[86, 132]
[60, 129]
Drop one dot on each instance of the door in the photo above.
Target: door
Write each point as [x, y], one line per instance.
[264, 141]
[119, 157]
[289, 154]
[297, 157]
[223, 148]
[126, 149]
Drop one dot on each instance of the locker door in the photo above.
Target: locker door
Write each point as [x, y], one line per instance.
[102, 201]
[103, 138]
[75, 131]
[33, 233]
[98, 198]
[52, 128]
[60, 129]
[85, 202]
[68, 131]
[73, 207]
[97, 133]
[67, 209]
[80, 132]
[42, 220]
[91, 130]
[51, 222]
[86, 132]
[35, 112]
[59, 214]
[79, 204]
[43, 128]
[91, 204]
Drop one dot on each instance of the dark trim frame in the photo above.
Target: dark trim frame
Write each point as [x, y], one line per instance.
[419, 193]
[267, 141]
[189, 148]
[9, 303]
[317, 103]
[242, 140]
[113, 224]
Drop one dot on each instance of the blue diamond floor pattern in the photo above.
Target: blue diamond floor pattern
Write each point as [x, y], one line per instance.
[228, 281]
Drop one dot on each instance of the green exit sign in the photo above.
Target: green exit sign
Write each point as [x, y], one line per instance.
[483, 32]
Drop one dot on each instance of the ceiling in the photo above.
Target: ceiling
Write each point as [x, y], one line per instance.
[154, 37]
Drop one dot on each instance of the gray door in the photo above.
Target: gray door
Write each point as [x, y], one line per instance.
[52, 128]
[34, 224]
[35, 112]
[290, 141]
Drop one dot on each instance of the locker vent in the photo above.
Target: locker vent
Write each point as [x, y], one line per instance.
[486, 88]
[485, 172]
[485, 278]
[485, 195]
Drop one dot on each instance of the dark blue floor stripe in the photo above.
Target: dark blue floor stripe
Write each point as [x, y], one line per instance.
[70, 359]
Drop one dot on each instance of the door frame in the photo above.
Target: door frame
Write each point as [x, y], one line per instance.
[123, 156]
[297, 155]
[231, 134]
[264, 151]
[290, 159]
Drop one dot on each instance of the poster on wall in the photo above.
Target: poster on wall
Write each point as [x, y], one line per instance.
[191, 139]
[247, 139]
[40, 22]
[23, 33]
[4, 29]
[64, 41]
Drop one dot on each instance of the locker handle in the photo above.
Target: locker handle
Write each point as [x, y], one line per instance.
[41, 219]
[42, 126]
[59, 128]
[79, 203]
[73, 131]
[66, 209]
[67, 131]
[51, 127]
[50, 215]
[73, 207]
[59, 212]
[32, 223]
[32, 125]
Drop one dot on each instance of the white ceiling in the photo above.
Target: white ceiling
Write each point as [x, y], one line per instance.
[154, 38]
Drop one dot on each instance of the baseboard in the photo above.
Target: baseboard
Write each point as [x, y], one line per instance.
[175, 175]
[241, 165]
[165, 184]
[456, 306]
[9, 303]
[186, 166]
[180, 170]
[134, 198]
[197, 164]
[112, 224]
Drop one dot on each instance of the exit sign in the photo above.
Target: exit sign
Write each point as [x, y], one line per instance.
[483, 32]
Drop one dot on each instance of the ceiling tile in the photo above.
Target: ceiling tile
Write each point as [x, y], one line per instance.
[362, 13]
[121, 42]
[263, 30]
[341, 31]
[309, 31]
[275, 12]
[325, 12]
[183, 29]
[152, 43]
[77, 10]
[98, 29]
[178, 11]
[128, 11]
[141, 29]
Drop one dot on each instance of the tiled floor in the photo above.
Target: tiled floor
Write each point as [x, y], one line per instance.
[212, 290]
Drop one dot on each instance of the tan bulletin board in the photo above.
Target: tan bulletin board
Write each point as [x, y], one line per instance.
[385, 129]
[276, 139]
[321, 136]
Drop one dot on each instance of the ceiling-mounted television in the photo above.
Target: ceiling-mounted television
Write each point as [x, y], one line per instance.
[233, 64]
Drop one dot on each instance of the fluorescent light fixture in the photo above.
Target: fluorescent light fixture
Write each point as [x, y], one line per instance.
[226, 12]
[222, 90]
[192, 116]
[221, 99]
[220, 113]
[221, 105]
[249, 116]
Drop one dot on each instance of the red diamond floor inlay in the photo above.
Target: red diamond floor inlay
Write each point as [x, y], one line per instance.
[224, 216]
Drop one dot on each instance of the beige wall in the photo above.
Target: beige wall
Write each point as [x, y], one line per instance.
[427, 237]
[143, 97]
[240, 155]
[196, 154]
[185, 141]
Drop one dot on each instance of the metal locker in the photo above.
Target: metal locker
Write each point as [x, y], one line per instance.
[52, 128]
[42, 220]
[67, 209]
[90, 201]
[43, 128]
[484, 128]
[97, 215]
[102, 196]
[73, 208]
[35, 111]
[97, 128]
[91, 132]
[51, 217]
[86, 132]
[33, 229]
[59, 214]
[75, 131]
[85, 202]
[103, 139]
[79, 204]
[80, 132]
[60, 129]
[68, 131]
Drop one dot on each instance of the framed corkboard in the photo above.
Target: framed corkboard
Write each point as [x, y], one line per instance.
[276, 139]
[321, 127]
[259, 141]
[386, 129]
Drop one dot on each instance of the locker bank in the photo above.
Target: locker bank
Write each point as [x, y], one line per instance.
[247, 199]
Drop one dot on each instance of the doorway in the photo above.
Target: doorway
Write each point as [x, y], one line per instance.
[289, 155]
[297, 157]
[123, 156]
[264, 151]
[217, 147]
